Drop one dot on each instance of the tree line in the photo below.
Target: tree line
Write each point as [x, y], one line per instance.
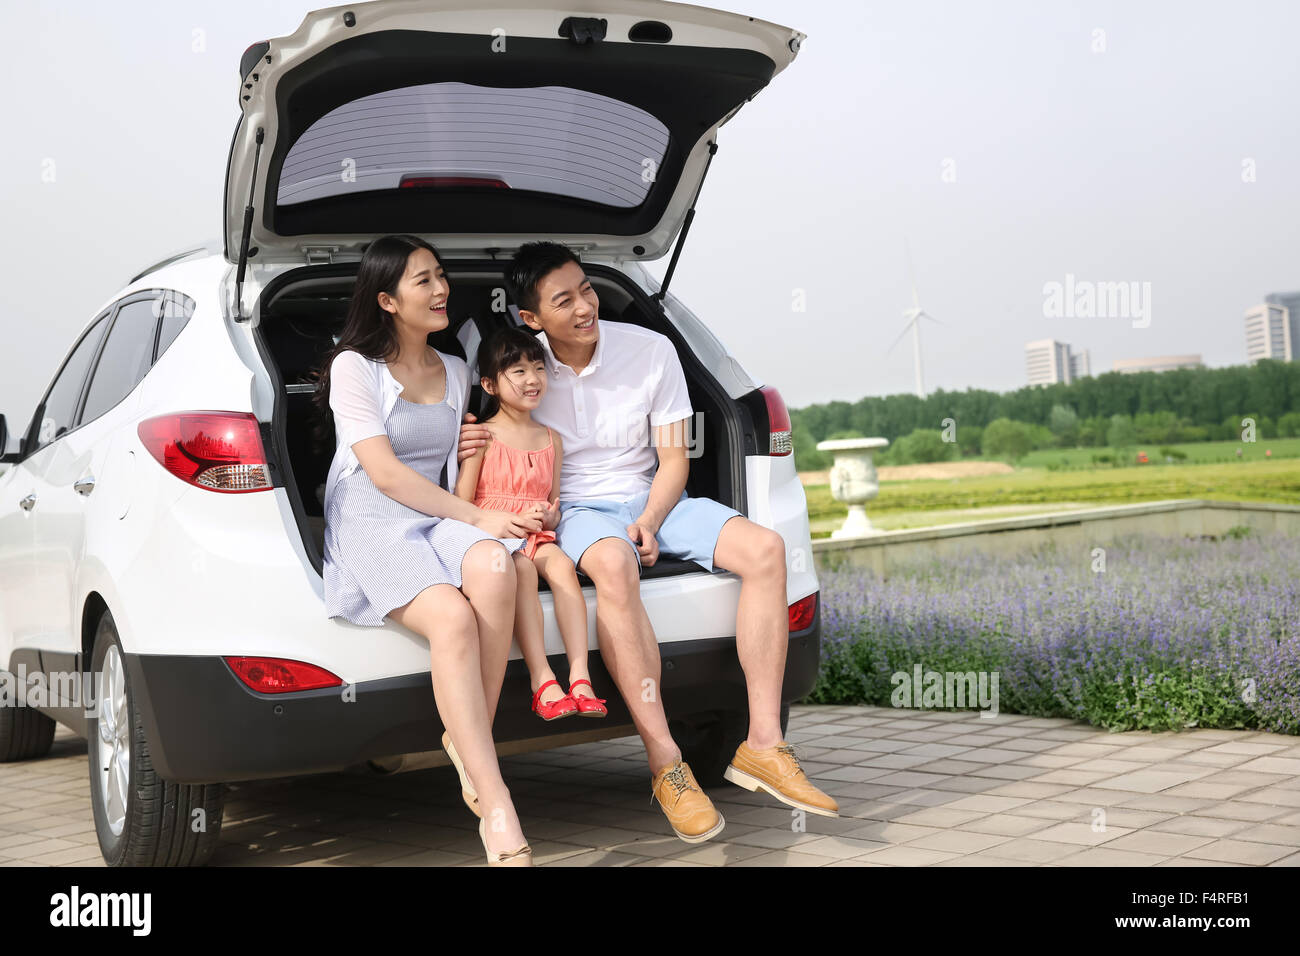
[1116, 409]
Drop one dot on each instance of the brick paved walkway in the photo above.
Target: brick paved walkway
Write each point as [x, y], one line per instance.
[915, 788]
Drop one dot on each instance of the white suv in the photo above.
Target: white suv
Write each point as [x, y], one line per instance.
[161, 516]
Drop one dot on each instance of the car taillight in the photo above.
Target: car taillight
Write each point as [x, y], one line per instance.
[778, 422]
[220, 451]
[450, 182]
[273, 675]
[802, 611]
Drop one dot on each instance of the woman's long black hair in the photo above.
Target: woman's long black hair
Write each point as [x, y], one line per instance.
[369, 329]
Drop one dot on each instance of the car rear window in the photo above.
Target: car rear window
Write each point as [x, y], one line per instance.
[547, 139]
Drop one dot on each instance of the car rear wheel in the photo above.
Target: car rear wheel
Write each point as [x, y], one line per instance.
[25, 734]
[141, 819]
[708, 741]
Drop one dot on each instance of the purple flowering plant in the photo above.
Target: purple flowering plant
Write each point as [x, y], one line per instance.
[1174, 633]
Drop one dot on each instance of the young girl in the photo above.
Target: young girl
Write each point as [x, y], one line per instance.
[519, 471]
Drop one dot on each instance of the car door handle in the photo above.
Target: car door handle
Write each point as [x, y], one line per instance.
[28, 503]
[85, 485]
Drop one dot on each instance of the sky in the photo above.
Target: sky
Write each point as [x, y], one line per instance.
[1009, 144]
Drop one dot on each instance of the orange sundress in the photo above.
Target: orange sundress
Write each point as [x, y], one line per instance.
[514, 480]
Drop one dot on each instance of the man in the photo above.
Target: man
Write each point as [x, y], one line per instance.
[622, 503]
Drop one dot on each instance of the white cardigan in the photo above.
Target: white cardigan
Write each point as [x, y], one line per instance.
[363, 393]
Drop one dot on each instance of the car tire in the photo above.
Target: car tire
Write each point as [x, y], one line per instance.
[140, 818]
[25, 733]
[708, 741]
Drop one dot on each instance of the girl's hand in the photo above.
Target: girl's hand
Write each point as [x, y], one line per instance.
[551, 516]
[503, 524]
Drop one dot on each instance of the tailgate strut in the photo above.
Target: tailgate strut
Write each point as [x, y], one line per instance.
[686, 227]
[248, 229]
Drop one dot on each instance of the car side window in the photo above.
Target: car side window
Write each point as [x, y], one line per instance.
[127, 355]
[57, 412]
[176, 310]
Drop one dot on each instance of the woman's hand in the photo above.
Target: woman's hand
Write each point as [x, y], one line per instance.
[503, 524]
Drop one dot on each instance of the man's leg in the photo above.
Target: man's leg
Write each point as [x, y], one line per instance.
[627, 643]
[757, 555]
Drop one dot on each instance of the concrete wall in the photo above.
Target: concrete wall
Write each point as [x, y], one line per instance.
[1084, 529]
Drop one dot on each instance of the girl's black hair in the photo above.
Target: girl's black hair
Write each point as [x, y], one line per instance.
[503, 349]
[369, 329]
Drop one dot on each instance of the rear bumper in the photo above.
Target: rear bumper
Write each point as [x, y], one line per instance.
[205, 726]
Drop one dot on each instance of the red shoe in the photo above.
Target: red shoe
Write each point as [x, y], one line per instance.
[556, 709]
[587, 706]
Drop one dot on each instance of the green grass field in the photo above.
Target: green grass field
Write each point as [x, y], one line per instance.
[1277, 480]
[1197, 453]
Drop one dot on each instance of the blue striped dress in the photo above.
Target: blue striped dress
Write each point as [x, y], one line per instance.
[379, 554]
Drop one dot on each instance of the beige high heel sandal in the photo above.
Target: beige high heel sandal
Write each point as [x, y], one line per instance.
[520, 857]
[467, 791]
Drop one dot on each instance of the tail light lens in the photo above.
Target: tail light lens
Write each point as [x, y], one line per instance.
[219, 451]
[802, 612]
[273, 675]
[450, 182]
[778, 422]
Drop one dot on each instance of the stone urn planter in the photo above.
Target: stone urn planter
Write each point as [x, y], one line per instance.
[853, 481]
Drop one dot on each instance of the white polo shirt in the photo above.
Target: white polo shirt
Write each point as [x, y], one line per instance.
[604, 415]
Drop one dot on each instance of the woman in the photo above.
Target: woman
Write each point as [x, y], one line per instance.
[398, 543]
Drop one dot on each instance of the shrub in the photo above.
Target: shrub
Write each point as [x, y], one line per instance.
[806, 455]
[1004, 438]
[1121, 433]
[922, 445]
[1064, 424]
[1170, 633]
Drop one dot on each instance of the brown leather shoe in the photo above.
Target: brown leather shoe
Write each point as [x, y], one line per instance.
[690, 813]
[777, 771]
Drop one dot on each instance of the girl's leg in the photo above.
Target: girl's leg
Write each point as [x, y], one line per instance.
[442, 616]
[530, 629]
[570, 610]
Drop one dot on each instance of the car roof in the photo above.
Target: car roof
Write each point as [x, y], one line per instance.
[198, 277]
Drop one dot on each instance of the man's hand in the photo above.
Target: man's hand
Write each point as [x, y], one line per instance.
[551, 516]
[644, 537]
[472, 438]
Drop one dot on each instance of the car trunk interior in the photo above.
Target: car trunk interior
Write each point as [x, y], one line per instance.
[302, 312]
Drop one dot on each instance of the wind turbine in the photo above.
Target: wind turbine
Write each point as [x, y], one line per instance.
[912, 320]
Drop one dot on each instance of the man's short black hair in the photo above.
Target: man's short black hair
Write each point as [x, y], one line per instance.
[531, 264]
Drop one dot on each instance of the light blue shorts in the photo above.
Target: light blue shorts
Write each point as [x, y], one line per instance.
[690, 531]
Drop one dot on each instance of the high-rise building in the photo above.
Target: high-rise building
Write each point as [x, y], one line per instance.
[1049, 362]
[1161, 363]
[1273, 328]
[1080, 365]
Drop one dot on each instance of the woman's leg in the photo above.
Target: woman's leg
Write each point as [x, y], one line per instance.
[530, 629]
[488, 579]
[442, 616]
[570, 609]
